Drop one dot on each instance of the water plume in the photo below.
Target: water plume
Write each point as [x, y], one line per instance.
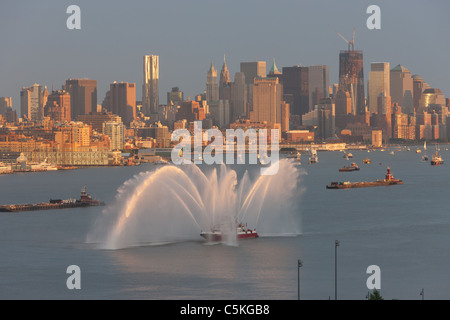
[175, 203]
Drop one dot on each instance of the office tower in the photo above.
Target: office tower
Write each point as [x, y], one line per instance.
[212, 87]
[5, 102]
[285, 116]
[32, 101]
[384, 117]
[58, 106]
[220, 112]
[239, 96]
[96, 119]
[296, 83]
[225, 82]
[251, 71]
[402, 88]
[326, 119]
[83, 96]
[419, 86]
[343, 108]
[351, 78]
[267, 98]
[431, 96]
[123, 101]
[319, 83]
[150, 87]
[116, 133]
[175, 96]
[379, 83]
[275, 73]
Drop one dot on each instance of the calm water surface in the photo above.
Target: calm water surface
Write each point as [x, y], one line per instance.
[405, 230]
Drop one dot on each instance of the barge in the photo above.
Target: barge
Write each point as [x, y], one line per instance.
[389, 180]
[85, 201]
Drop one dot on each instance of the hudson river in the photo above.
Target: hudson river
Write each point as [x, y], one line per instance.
[404, 230]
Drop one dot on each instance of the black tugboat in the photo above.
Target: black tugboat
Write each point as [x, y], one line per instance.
[85, 201]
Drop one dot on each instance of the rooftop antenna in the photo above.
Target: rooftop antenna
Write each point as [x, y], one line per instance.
[351, 42]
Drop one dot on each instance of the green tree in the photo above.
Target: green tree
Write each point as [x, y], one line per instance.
[375, 295]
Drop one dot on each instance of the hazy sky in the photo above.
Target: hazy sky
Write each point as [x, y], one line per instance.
[37, 47]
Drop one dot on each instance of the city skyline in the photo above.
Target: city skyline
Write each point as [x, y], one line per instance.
[90, 53]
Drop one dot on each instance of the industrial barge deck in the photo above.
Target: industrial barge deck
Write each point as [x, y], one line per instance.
[84, 201]
[389, 180]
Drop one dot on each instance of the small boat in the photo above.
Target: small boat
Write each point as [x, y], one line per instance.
[424, 157]
[352, 167]
[366, 161]
[418, 151]
[293, 155]
[242, 232]
[436, 159]
[313, 158]
[348, 155]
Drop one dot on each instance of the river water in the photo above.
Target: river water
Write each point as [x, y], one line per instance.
[404, 230]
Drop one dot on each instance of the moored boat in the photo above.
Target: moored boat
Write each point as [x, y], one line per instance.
[352, 167]
[436, 159]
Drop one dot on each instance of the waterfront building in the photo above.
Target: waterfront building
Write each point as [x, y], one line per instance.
[116, 133]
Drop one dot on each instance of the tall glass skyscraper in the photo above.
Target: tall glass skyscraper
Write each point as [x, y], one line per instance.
[150, 87]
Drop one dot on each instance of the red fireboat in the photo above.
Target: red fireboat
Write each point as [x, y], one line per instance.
[242, 232]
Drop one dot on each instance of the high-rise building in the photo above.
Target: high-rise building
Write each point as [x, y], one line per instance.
[116, 133]
[402, 88]
[319, 83]
[83, 96]
[296, 84]
[32, 102]
[251, 71]
[351, 78]
[239, 96]
[225, 83]
[431, 96]
[379, 83]
[175, 96]
[267, 98]
[343, 108]
[5, 102]
[58, 106]
[191, 111]
[150, 87]
[123, 101]
[212, 87]
[419, 85]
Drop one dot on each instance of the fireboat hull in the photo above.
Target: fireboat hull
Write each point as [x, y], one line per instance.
[216, 236]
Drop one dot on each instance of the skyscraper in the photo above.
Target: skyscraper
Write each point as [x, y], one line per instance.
[225, 83]
[212, 87]
[58, 106]
[251, 71]
[379, 83]
[319, 82]
[267, 98]
[83, 96]
[239, 97]
[123, 101]
[5, 103]
[296, 83]
[32, 102]
[150, 87]
[419, 86]
[402, 88]
[351, 78]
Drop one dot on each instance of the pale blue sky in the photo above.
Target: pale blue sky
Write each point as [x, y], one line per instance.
[36, 46]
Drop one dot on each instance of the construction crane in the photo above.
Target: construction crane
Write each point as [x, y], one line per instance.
[351, 42]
